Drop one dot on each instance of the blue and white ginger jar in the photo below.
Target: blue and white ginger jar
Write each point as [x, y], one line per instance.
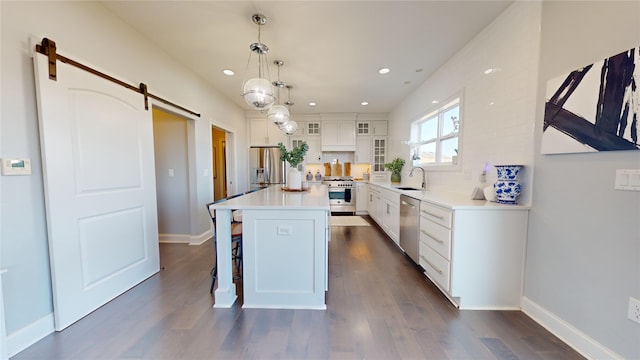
[507, 187]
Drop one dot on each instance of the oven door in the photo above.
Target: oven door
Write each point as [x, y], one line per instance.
[340, 201]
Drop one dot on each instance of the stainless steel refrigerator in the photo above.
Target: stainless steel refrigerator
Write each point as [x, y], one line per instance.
[265, 166]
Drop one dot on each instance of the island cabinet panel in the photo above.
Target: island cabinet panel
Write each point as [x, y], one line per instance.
[284, 261]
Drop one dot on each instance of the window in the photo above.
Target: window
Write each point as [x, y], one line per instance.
[435, 136]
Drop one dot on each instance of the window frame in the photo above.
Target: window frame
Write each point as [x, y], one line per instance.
[438, 111]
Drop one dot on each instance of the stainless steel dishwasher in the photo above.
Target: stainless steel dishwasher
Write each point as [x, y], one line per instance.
[409, 226]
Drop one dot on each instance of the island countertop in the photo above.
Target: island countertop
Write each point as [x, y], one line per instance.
[315, 198]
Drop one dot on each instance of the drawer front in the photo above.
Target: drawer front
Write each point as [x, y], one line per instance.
[436, 214]
[435, 266]
[391, 196]
[436, 236]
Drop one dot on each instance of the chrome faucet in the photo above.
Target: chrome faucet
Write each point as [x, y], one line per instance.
[424, 179]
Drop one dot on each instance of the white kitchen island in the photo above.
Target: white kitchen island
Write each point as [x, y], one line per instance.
[285, 251]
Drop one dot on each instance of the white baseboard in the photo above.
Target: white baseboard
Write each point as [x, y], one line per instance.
[200, 239]
[174, 238]
[573, 337]
[30, 334]
[185, 238]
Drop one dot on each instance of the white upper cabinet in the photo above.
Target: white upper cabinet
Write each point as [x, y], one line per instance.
[379, 127]
[314, 154]
[312, 128]
[263, 132]
[363, 150]
[363, 128]
[338, 136]
[338, 132]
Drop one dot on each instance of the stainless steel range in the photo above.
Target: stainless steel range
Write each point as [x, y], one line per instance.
[341, 196]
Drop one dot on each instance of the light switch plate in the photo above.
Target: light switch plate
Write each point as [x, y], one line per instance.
[627, 179]
[16, 167]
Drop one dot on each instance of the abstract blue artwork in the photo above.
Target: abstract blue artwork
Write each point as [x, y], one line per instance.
[594, 108]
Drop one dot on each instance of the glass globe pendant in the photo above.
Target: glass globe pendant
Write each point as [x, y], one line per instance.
[289, 128]
[258, 92]
[278, 114]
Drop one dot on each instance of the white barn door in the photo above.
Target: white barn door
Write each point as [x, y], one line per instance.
[98, 162]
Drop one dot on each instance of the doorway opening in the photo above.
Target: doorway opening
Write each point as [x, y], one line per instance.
[171, 149]
[219, 162]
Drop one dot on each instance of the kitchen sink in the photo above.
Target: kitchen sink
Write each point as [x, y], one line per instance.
[406, 188]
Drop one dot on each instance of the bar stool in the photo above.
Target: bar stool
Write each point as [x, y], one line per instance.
[236, 244]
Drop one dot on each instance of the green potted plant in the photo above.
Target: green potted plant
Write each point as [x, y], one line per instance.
[294, 158]
[395, 166]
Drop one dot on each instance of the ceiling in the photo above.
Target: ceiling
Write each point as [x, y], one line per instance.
[332, 50]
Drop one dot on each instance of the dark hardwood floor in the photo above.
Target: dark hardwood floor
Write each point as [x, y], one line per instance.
[379, 307]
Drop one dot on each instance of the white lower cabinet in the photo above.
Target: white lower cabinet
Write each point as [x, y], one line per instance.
[362, 198]
[475, 255]
[436, 267]
[473, 251]
[384, 209]
[391, 217]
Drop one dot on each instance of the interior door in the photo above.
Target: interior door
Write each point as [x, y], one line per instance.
[98, 165]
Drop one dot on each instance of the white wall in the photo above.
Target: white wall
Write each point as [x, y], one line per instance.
[87, 32]
[498, 109]
[583, 257]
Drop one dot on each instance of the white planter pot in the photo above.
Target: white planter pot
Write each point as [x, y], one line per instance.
[294, 179]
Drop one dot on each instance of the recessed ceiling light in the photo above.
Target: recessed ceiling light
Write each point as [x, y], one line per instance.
[384, 71]
[228, 72]
[434, 101]
[491, 71]
[312, 103]
[364, 103]
[407, 82]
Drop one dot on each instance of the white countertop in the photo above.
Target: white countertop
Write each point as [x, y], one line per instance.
[316, 198]
[451, 200]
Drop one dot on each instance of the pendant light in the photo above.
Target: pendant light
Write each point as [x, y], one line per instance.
[278, 114]
[291, 127]
[289, 103]
[258, 92]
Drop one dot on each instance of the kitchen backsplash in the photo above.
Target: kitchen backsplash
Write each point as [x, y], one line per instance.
[357, 170]
[343, 156]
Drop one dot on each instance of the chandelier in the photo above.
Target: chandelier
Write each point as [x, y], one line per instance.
[278, 114]
[258, 92]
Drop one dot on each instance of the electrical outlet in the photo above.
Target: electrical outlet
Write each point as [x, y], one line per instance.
[634, 310]
[284, 230]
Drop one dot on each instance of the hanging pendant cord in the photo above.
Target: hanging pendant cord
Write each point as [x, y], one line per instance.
[48, 48]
